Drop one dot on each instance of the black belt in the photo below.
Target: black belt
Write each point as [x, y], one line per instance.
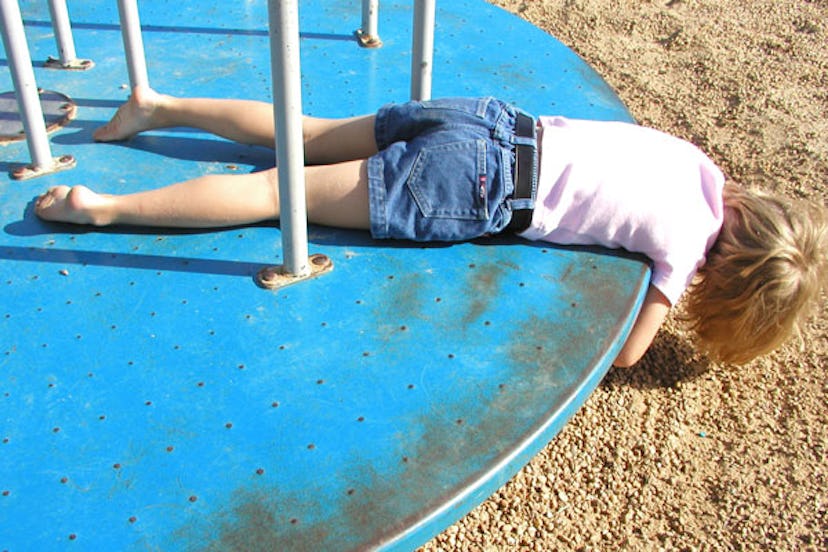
[523, 173]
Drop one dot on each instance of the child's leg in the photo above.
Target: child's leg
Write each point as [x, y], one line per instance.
[337, 195]
[238, 120]
[244, 121]
[336, 140]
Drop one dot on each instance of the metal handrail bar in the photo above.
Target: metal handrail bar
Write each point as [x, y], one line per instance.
[25, 86]
[283, 17]
[422, 50]
[133, 43]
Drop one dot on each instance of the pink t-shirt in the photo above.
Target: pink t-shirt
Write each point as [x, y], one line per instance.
[621, 185]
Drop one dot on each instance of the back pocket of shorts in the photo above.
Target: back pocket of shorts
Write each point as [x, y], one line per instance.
[451, 181]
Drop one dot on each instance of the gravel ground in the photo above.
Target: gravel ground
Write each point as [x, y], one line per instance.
[679, 453]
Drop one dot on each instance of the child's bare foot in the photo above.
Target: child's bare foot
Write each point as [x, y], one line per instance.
[78, 205]
[136, 115]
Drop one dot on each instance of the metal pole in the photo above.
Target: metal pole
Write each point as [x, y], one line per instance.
[133, 43]
[67, 58]
[287, 110]
[63, 31]
[422, 50]
[369, 17]
[25, 87]
[368, 34]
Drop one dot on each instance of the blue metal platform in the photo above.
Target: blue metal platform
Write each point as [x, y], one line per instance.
[153, 398]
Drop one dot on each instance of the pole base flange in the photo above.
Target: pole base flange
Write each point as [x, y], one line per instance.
[276, 277]
[62, 163]
[367, 40]
[75, 64]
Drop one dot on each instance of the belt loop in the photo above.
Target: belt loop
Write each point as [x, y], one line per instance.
[483, 106]
[524, 141]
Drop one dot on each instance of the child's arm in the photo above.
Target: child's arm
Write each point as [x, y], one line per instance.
[652, 314]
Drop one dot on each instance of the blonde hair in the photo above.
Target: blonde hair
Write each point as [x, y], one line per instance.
[764, 273]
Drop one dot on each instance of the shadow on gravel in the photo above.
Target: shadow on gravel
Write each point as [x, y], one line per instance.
[669, 361]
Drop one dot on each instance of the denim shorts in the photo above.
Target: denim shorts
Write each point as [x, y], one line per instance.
[443, 171]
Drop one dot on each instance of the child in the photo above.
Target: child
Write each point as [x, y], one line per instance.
[459, 169]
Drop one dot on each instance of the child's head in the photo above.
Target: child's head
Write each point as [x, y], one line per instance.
[765, 270]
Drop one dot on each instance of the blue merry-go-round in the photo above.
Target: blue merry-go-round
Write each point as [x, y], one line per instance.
[154, 395]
